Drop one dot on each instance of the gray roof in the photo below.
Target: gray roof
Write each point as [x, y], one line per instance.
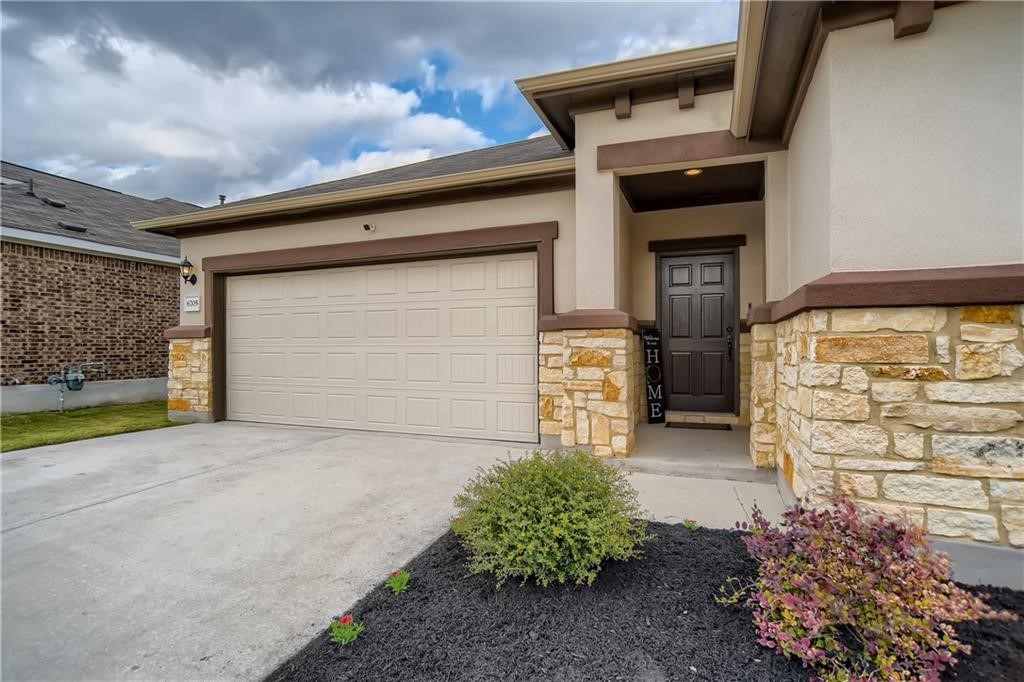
[513, 153]
[105, 214]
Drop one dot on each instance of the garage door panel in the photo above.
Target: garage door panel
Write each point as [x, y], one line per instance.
[421, 279]
[306, 366]
[381, 281]
[340, 284]
[341, 324]
[272, 288]
[444, 347]
[422, 367]
[517, 320]
[516, 417]
[518, 273]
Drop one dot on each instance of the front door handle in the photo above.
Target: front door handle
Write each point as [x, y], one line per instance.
[728, 344]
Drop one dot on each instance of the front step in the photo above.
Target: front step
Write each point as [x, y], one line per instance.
[680, 417]
[685, 469]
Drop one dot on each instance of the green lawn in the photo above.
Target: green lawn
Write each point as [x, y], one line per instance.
[18, 431]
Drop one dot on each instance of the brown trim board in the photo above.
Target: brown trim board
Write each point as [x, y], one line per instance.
[912, 17]
[196, 331]
[976, 285]
[529, 236]
[679, 149]
[727, 241]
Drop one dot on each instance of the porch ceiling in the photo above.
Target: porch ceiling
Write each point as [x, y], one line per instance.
[715, 185]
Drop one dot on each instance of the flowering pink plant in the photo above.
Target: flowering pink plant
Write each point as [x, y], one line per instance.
[345, 630]
[855, 597]
[398, 581]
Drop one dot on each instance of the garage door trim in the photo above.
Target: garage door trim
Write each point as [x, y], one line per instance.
[537, 237]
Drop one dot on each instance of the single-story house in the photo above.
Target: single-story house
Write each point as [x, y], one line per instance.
[823, 220]
[80, 284]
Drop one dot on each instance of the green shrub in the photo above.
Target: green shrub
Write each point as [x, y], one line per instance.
[551, 518]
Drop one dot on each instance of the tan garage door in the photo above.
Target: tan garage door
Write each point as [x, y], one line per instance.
[444, 347]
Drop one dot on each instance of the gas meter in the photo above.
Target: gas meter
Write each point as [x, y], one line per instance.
[72, 376]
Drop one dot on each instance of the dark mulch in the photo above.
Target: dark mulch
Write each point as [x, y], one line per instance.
[652, 619]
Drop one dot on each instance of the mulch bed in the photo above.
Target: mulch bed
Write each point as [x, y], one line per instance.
[652, 619]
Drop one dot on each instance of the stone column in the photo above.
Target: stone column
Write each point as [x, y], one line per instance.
[189, 382]
[763, 431]
[589, 396]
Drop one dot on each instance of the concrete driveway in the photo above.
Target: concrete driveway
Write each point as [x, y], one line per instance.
[216, 551]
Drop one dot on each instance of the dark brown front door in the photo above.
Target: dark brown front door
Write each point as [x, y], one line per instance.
[697, 318]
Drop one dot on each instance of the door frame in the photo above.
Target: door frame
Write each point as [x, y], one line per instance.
[703, 246]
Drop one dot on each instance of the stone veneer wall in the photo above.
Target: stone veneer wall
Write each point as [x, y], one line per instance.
[189, 380]
[589, 389]
[917, 412]
[745, 360]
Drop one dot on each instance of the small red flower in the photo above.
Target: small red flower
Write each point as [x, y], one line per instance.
[345, 620]
[394, 573]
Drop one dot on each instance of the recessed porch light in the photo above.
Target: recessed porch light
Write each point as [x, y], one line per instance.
[691, 172]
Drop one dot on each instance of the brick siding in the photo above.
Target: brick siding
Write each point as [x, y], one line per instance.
[64, 307]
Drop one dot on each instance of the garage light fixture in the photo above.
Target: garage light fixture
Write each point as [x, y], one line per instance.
[187, 271]
[693, 172]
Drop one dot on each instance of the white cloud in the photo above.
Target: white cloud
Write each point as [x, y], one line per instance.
[242, 98]
[539, 132]
[428, 76]
[637, 46]
[435, 131]
[245, 133]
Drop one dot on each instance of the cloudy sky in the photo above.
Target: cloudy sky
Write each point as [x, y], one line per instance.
[191, 100]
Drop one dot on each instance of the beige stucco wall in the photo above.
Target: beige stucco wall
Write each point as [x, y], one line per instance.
[624, 256]
[944, 111]
[654, 119]
[776, 226]
[909, 153]
[699, 221]
[558, 206]
[809, 184]
[599, 283]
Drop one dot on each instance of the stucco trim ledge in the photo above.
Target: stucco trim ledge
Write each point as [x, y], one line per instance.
[975, 285]
[195, 331]
[589, 318]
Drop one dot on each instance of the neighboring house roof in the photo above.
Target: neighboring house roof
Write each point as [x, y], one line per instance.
[104, 214]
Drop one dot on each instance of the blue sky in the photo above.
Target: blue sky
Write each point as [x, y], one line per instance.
[192, 100]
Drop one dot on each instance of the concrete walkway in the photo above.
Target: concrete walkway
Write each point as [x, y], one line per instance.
[216, 551]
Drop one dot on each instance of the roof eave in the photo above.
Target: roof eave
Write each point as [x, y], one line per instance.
[534, 88]
[537, 169]
[750, 38]
[663, 62]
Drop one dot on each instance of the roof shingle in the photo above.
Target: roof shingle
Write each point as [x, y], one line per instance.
[511, 154]
[105, 214]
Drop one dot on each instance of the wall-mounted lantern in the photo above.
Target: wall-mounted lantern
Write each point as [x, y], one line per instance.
[187, 271]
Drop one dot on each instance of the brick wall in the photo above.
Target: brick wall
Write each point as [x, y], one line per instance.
[63, 307]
